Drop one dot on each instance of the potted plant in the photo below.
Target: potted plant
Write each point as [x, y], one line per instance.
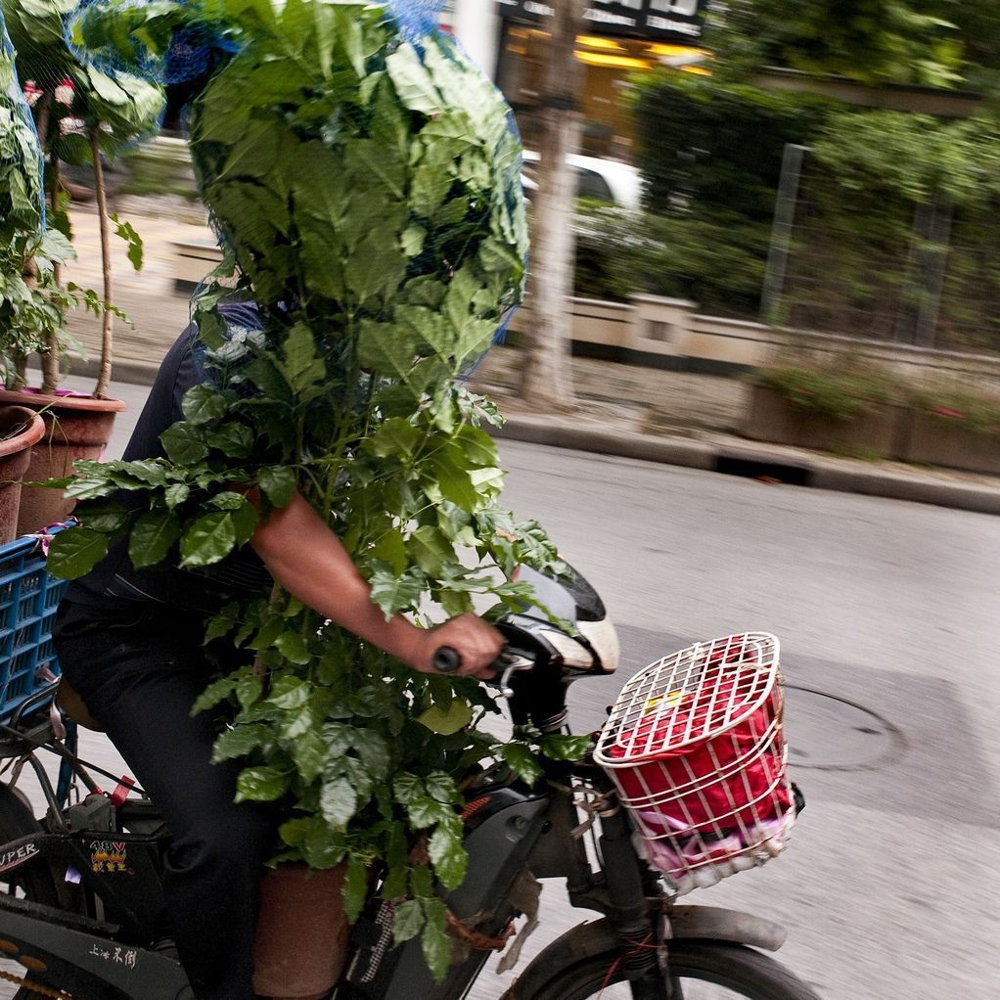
[840, 403]
[82, 115]
[22, 302]
[367, 189]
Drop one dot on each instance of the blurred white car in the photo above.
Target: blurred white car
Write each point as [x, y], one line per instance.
[599, 179]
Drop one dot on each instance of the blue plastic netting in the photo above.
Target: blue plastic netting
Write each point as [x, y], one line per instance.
[199, 47]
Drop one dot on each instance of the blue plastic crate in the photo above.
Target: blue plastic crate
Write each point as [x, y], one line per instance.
[28, 601]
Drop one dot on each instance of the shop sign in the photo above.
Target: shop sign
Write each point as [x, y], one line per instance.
[671, 20]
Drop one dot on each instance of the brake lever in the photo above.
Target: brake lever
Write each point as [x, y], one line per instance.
[509, 662]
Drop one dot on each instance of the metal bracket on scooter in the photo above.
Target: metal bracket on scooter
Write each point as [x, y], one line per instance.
[509, 662]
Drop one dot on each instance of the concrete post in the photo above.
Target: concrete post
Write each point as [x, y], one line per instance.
[476, 25]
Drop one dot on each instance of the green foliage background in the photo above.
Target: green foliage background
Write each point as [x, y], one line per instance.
[863, 257]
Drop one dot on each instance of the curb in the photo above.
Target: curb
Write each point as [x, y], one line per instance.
[790, 466]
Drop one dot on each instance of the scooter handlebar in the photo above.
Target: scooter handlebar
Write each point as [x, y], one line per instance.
[447, 660]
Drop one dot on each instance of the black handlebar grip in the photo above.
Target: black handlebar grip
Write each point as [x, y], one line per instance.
[447, 660]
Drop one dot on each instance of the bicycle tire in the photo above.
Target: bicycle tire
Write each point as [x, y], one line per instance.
[33, 880]
[701, 970]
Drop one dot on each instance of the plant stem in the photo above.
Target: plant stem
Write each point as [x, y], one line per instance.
[107, 317]
[50, 360]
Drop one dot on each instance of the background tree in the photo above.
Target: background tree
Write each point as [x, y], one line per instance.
[546, 382]
[872, 41]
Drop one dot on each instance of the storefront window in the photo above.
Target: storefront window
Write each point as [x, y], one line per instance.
[609, 65]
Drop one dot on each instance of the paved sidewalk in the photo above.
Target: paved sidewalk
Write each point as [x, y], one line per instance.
[680, 418]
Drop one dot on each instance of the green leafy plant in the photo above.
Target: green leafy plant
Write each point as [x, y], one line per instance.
[979, 412]
[82, 115]
[369, 200]
[26, 295]
[842, 387]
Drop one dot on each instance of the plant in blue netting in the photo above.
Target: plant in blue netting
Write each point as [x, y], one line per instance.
[25, 250]
[364, 178]
[83, 114]
[22, 199]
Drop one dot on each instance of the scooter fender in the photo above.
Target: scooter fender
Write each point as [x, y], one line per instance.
[86, 964]
[586, 940]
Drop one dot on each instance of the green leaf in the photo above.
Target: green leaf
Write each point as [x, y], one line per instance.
[395, 437]
[75, 552]
[425, 812]
[413, 83]
[300, 364]
[454, 482]
[216, 692]
[240, 742]
[260, 784]
[203, 404]
[446, 721]
[176, 494]
[338, 802]
[290, 693]
[210, 538]
[387, 349]
[391, 550]
[152, 537]
[124, 231]
[448, 855]
[430, 549]
[408, 920]
[561, 747]
[278, 483]
[234, 440]
[441, 787]
[309, 754]
[355, 887]
[393, 593]
[435, 940]
[293, 648]
[522, 760]
[406, 788]
[184, 444]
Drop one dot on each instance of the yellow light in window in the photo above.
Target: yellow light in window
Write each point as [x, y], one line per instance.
[593, 42]
[611, 62]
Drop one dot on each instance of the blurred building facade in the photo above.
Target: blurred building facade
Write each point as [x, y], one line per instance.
[509, 39]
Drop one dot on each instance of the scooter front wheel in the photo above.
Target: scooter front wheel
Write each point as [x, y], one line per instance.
[700, 970]
[32, 881]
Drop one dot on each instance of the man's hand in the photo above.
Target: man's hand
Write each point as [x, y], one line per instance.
[477, 643]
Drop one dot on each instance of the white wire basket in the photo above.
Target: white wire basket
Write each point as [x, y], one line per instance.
[695, 747]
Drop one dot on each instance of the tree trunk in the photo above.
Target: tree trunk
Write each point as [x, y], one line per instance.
[546, 378]
[107, 317]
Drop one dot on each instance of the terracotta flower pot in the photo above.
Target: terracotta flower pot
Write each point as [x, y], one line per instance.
[302, 933]
[74, 427]
[20, 429]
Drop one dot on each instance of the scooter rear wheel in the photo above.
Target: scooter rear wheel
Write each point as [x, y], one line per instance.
[700, 970]
[32, 880]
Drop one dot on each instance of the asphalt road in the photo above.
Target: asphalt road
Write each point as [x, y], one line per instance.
[887, 614]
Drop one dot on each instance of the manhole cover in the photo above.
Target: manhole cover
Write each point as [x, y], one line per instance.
[824, 731]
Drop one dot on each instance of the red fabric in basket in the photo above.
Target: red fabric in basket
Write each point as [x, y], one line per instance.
[700, 786]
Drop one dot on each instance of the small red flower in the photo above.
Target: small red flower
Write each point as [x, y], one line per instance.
[64, 92]
[32, 92]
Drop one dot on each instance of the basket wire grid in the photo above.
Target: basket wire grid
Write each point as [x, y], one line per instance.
[28, 601]
[695, 746]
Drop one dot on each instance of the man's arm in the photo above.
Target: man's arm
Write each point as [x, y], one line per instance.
[308, 560]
